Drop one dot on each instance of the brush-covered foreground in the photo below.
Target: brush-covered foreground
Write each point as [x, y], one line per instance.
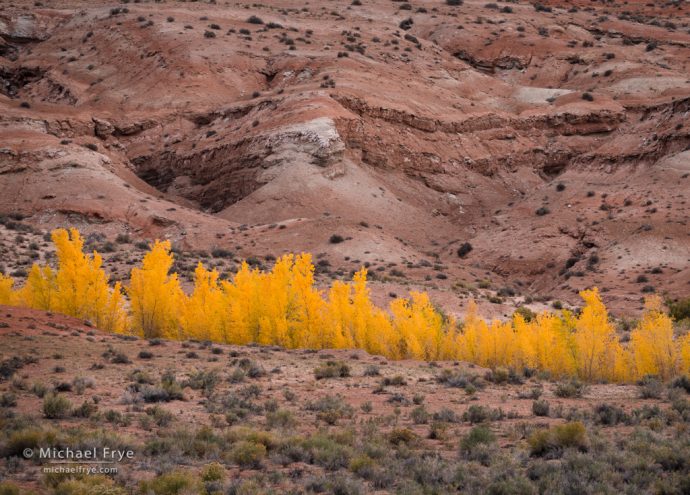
[205, 418]
[283, 307]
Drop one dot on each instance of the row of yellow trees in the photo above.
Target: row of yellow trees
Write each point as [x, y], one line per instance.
[282, 307]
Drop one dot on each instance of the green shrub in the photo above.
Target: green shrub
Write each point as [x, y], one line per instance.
[570, 389]
[28, 438]
[479, 435]
[173, 483]
[56, 406]
[608, 415]
[213, 472]
[419, 415]
[650, 387]
[464, 249]
[682, 382]
[7, 488]
[480, 414]
[393, 381]
[540, 408]
[400, 436]
[332, 369]
[679, 310]
[248, 454]
[88, 485]
[282, 418]
[554, 440]
[328, 452]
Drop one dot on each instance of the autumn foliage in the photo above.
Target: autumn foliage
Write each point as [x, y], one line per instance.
[283, 307]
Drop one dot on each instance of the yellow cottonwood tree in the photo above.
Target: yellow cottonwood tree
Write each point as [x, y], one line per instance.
[308, 305]
[7, 295]
[155, 295]
[653, 347]
[596, 345]
[39, 291]
[545, 343]
[79, 287]
[202, 314]
[82, 285]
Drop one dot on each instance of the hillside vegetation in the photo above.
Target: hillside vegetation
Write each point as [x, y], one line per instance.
[282, 307]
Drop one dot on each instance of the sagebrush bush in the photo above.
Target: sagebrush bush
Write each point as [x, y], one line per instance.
[248, 454]
[332, 369]
[176, 482]
[557, 438]
[540, 408]
[56, 406]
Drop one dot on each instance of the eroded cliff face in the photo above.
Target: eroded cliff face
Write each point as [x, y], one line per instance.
[554, 139]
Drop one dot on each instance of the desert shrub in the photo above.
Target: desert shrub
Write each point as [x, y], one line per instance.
[161, 417]
[330, 408]
[570, 389]
[205, 380]
[26, 438]
[120, 358]
[682, 382]
[168, 390]
[553, 441]
[282, 418]
[608, 415]
[650, 387]
[221, 253]
[371, 370]
[481, 414]
[680, 309]
[86, 485]
[459, 379]
[526, 313]
[464, 249]
[251, 368]
[176, 482]
[399, 436]
[8, 399]
[255, 20]
[8, 488]
[328, 452]
[540, 408]
[503, 375]
[419, 415]
[56, 406]
[479, 435]
[332, 369]
[336, 239]
[446, 415]
[81, 383]
[248, 454]
[393, 381]
[213, 472]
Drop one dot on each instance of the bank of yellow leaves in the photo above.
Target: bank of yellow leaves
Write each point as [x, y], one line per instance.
[596, 347]
[7, 295]
[653, 347]
[155, 295]
[79, 287]
[283, 307]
